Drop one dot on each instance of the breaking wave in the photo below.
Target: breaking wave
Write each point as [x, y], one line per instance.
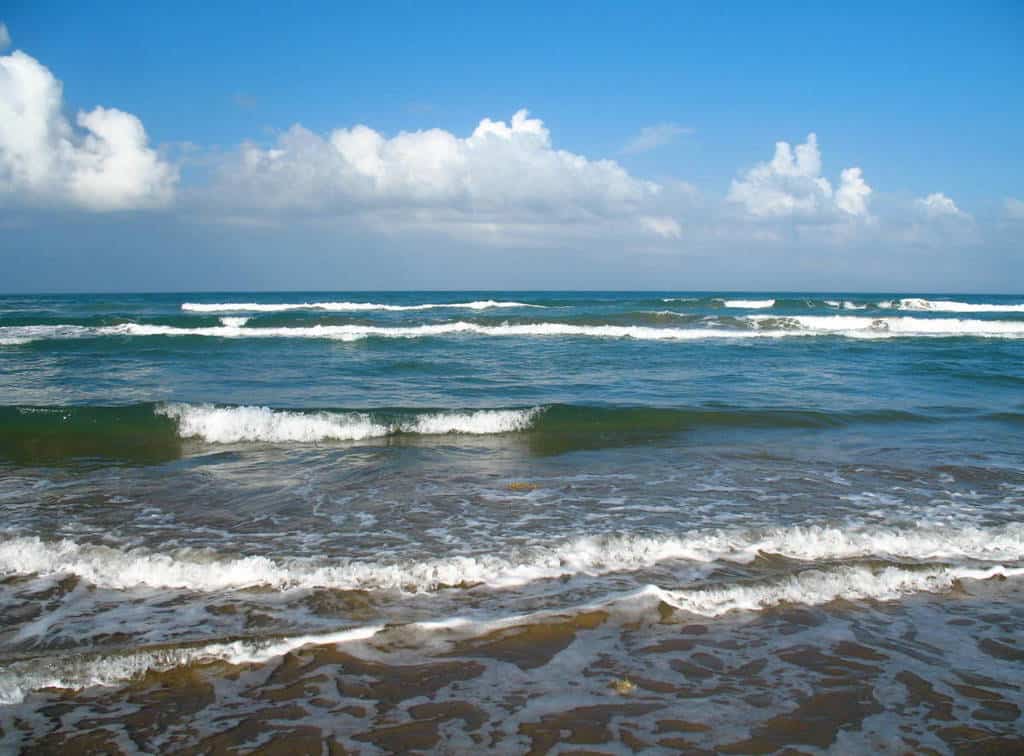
[206, 571]
[858, 326]
[946, 305]
[484, 304]
[815, 587]
[748, 304]
[226, 425]
[745, 327]
[155, 432]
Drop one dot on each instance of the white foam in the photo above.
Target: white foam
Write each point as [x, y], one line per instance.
[234, 322]
[17, 335]
[205, 571]
[357, 332]
[814, 587]
[855, 326]
[811, 587]
[748, 304]
[763, 327]
[19, 679]
[846, 304]
[947, 305]
[227, 425]
[484, 304]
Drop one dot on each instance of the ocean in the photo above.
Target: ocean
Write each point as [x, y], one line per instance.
[516, 522]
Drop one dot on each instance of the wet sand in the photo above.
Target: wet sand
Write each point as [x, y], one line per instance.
[839, 678]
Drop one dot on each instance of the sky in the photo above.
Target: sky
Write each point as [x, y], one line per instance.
[670, 146]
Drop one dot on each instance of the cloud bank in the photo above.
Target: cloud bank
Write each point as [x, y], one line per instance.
[104, 164]
[503, 172]
[505, 182]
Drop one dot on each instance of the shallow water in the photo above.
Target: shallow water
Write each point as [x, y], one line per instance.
[456, 521]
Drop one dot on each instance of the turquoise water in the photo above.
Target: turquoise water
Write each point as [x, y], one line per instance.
[232, 477]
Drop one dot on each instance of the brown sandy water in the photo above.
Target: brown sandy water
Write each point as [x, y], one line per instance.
[931, 674]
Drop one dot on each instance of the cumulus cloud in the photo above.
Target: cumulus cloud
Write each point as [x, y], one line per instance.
[791, 184]
[1014, 208]
[652, 137]
[103, 164]
[938, 205]
[502, 172]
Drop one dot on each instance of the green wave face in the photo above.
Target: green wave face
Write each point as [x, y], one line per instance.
[44, 435]
[150, 433]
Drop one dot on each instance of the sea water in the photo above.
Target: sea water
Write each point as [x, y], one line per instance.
[462, 521]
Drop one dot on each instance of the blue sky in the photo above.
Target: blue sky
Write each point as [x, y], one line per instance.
[923, 99]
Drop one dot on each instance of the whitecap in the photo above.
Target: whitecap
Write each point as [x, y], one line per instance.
[947, 305]
[484, 304]
[226, 425]
[749, 304]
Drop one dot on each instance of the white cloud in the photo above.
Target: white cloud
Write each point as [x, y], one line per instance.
[1014, 208]
[501, 173]
[853, 193]
[792, 185]
[652, 137]
[104, 164]
[662, 225]
[5, 37]
[938, 205]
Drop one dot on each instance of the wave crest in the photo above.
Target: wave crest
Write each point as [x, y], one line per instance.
[202, 570]
[226, 425]
[483, 304]
[946, 305]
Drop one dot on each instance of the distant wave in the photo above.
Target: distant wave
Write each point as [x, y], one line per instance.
[748, 304]
[485, 304]
[946, 305]
[863, 327]
[120, 569]
[752, 326]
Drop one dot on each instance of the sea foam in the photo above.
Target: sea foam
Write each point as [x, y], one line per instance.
[484, 304]
[759, 327]
[207, 571]
[856, 326]
[748, 304]
[946, 305]
[814, 587]
[810, 587]
[226, 425]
